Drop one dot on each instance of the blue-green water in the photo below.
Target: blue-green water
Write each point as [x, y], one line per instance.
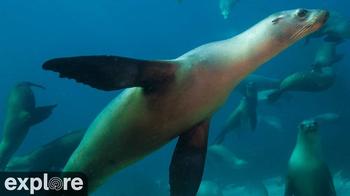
[35, 31]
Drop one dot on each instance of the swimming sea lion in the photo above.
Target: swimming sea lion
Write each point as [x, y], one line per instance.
[220, 155]
[308, 174]
[336, 30]
[326, 56]
[50, 157]
[326, 118]
[261, 82]
[172, 98]
[21, 114]
[209, 188]
[226, 7]
[244, 114]
[309, 81]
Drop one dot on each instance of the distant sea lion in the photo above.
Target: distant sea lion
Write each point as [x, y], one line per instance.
[21, 114]
[308, 174]
[309, 81]
[326, 56]
[220, 155]
[209, 188]
[226, 6]
[244, 114]
[261, 82]
[50, 157]
[326, 118]
[336, 30]
[171, 98]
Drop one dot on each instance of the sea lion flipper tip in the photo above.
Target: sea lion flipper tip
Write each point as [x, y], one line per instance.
[187, 164]
[41, 113]
[113, 72]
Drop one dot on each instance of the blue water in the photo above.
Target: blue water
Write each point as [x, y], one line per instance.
[35, 31]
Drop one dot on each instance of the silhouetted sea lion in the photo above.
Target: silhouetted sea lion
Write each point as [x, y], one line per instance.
[21, 114]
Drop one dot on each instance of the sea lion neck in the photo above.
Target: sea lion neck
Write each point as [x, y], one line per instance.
[308, 146]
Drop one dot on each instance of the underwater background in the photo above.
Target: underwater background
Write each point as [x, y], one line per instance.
[35, 31]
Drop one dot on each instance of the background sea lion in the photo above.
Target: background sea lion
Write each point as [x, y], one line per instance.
[172, 98]
[326, 56]
[50, 157]
[308, 174]
[326, 118]
[261, 82]
[309, 81]
[220, 155]
[21, 114]
[226, 6]
[209, 188]
[244, 114]
[336, 30]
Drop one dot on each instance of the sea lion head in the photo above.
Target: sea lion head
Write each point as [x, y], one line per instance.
[308, 130]
[292, 25]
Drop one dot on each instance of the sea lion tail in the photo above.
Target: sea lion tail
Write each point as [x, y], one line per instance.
[33, 84]
[274, 96]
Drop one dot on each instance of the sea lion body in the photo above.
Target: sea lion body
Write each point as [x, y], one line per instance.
[50, 157]
[326, 56]
[219, 154]
[309, 81]
[141, 120]
[21, 114]
[261, 82]
[308, 174]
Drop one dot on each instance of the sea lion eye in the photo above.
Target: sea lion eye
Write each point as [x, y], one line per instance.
[302, 13]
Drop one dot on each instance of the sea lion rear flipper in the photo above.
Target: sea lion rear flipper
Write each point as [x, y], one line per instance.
[112, 72]
[187, 164]
[41, 113]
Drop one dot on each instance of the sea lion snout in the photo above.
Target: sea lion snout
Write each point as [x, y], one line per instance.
[324, 17]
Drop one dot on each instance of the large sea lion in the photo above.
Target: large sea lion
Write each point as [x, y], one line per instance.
[308, 174]
[171, 98]
[50, 157]
[244, 114]
[326, 56]
[21, 114]
[308, 81]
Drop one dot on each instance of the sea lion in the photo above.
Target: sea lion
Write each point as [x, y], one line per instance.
[326, 56]
[261, 82]
[171, 98]
[226, 6]
[218, 154]
[326, 118]
[308, 174]
[308, 81]
[336, 30]
[50, 157]
[21, 114]
[209, 188]
[244, 114]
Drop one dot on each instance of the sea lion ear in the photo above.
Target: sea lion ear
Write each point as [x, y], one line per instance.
[277, 19]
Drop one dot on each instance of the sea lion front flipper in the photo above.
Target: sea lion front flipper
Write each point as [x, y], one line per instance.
[41, 113]
[187, 164]
[112, 72]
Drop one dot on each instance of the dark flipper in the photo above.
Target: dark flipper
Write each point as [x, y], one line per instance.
[333, 39]
[31, 84]
[274, 96]
[187, 164]
[41, 113]
[112, 72]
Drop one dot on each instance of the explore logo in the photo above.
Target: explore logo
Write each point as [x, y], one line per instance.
[43, 183]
